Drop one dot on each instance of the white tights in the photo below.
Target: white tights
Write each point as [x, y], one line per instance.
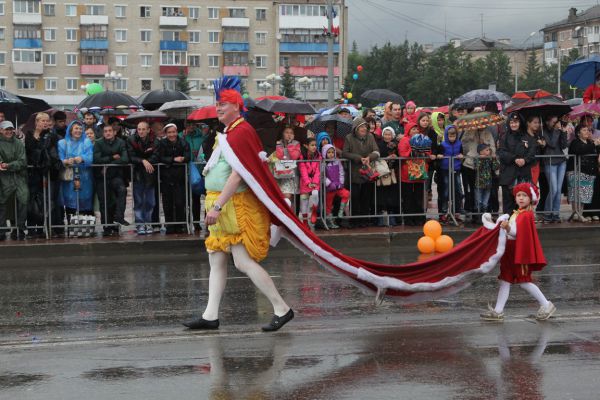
[308, 201]
[529, 287]
[244, 263]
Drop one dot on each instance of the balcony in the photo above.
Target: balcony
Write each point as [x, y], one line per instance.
[235, 22]
[93, 44]
[172, 70]
[27, 43]
[236, 47]
[93, 20]
[28, 68]
[291, 47]
[241, 70]
[550, 45]
[309, 71]
[301, 22]
[27, 19]
[175, 45]
[88, 69]
[173, 21]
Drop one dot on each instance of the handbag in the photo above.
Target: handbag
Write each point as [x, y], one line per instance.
[387, 180]
[196, 179]
[417, 169]
[284, 169]
[381, 167]
[66, 174]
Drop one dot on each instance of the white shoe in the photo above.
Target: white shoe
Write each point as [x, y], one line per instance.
[585, 219]
[492, 315]
[545, 312]
[595, 218]
[575, 217]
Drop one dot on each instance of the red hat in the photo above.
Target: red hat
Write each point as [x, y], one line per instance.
[409, 126]
[529, 189]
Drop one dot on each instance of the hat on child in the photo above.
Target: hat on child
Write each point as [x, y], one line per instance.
[529, 189]
[481, 147]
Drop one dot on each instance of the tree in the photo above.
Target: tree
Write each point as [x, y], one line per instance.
[534, 77]
[287, 86]
[183, 85]
[497, 65]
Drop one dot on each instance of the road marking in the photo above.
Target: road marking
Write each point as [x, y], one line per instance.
[233, 277]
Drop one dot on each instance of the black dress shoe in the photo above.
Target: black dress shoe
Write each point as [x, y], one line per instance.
[202, 323]
[277, 322]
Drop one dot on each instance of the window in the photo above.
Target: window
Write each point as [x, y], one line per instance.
[120, 11]
[50, 84]
[71, 59]
[121, 85]
[3, 58]
[2, 8]
[2, 83]
[213, 61]
[145, 11]
[308, 61]
[94, 32]
[235, 59]
[23, 55]
[1, 33]
[194, 61]
[195, 84]
[26, 84]
[72, 84]
[259, 84]
[213, 36]
[26, 7]
[213, 13]
[49, 58]
[170, 35]
[49, 10]
[146, 85]
[71, 34]
[146, 60]
[27, 32]
[121, 35]
[145, 36]
[194, 36]
[235, 35]
[121, 60]
[93, 9]
[170, 84]
[172, 57]
[50, 34]
[261, 37]
[71, 10]
[94, 57]
[194, 12]
[237, 13]
[284, 61]
[172, 12]
[260, 61]
[261, 14]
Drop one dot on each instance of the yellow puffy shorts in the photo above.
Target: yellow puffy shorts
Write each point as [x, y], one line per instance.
[243, 219]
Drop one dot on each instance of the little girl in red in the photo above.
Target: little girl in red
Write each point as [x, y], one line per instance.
[523, 255]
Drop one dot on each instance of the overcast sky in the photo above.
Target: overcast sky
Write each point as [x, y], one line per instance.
[425, 21]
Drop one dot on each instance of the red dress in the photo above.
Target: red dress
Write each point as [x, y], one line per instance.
[524, 253]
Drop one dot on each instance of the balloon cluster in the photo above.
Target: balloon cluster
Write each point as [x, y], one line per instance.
[355, 76]
[434, 241]
[93, 88]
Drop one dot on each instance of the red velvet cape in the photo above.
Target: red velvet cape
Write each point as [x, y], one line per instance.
[438, 276]
[528, 249]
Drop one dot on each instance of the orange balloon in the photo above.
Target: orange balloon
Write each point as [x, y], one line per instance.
[433, 229]
[443, 244]
[426, 245]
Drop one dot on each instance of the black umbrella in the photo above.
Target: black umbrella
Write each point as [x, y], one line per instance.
[108, 99]
[479, 97]
[343, 126]
[539, 103]
[156, 98]
[288, 106]
[383, 96]
[14, 109]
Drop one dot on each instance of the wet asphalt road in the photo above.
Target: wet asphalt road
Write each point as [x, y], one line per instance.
[112, 331]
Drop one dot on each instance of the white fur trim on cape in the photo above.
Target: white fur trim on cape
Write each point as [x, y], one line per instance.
[297, 237]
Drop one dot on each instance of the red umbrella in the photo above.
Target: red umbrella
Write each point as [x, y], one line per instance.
[443, 109]
[582, 110]
[203, 113]
[270, 97]
[538, 102]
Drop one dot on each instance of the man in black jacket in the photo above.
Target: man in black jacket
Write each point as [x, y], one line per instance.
[110, 184]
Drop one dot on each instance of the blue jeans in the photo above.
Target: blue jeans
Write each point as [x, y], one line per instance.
[143, 202]
[458, 193]
[554, 175]
[482, 198]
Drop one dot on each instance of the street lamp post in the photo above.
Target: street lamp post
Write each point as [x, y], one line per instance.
[114, 77]
[305, 83]
[265, 86]
[273, 79]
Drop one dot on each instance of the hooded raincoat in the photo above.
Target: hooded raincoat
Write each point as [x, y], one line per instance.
[82, 147]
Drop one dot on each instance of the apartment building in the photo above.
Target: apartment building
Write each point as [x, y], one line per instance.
[52, 48]
[579, 31]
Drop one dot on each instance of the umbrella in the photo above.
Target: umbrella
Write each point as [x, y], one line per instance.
[538, 102]
[442, 109]
[480, 97]
[592, 109]
[34, 104]
[383, 96]
[148, 116]
[334, 110]
[13, 107]
[480, 120]
[582, 73]
[30, 124]
[180, 109]
[285, 105]
[274, 97]
[108, 99]
[204, 113]
[574, 102]
[343, 126]
[156, 98]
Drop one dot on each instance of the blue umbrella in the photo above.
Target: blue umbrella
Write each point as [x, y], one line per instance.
[582, 73]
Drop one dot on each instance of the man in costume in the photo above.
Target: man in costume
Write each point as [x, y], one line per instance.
[239, 224]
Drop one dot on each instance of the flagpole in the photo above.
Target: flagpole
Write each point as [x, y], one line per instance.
[330, 38]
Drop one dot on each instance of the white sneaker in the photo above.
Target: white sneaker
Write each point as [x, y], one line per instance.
[585, 219]
[575, 217]
[595, 218]
[492, 315]
[545, 312]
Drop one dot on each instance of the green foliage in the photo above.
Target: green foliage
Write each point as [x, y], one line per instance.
[183, 85]
[287, 86]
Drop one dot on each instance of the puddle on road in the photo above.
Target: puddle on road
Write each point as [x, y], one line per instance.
[16, 380]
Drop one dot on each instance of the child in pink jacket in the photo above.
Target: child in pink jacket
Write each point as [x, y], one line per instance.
[310, 180]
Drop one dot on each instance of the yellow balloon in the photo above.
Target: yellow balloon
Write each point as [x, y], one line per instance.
[426, 245]
[433, 229]
[443, 244]
[349, 95]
